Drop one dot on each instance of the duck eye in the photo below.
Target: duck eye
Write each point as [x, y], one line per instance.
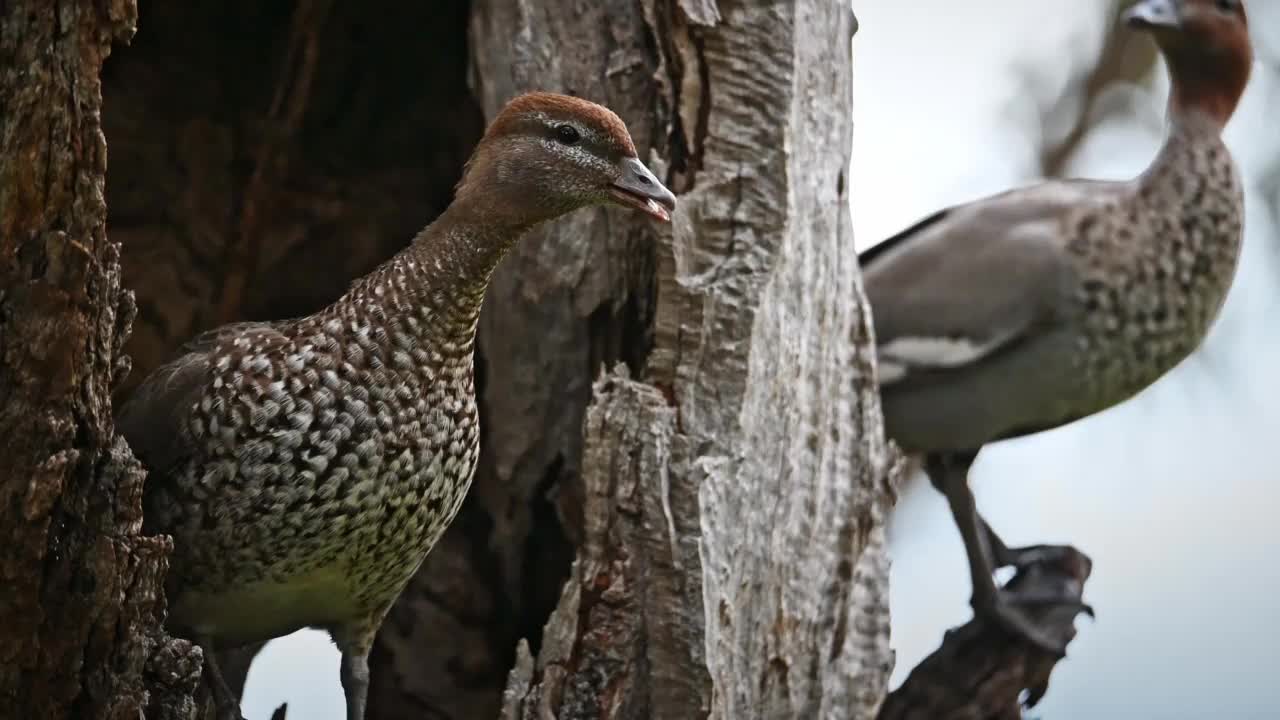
[1228, 5]
[567, 134]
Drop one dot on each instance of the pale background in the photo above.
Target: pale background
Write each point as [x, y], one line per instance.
[1172, 494]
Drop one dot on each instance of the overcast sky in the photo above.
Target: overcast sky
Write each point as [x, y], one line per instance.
[1172, 494]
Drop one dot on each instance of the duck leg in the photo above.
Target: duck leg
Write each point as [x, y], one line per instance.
[1022, 558]
[355, 640]
[949, 473]
[355, 682]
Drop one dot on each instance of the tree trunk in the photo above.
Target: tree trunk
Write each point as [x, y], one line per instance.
[82, 601]
[728, 494]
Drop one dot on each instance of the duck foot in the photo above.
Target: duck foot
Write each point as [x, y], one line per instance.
[1008, 610]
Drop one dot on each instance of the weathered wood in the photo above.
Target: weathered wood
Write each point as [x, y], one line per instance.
[625, 625]
[81, 607]
[980, 671]
[764, 342]
[732, 560]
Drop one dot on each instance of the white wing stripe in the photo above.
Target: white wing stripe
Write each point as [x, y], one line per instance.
[890, 372]
[898, 356]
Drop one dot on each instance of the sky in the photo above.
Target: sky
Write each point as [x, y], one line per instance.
[1171, 494]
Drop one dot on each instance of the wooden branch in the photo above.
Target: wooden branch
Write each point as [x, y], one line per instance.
[980, 671]
[731, 562]
[1125, 58]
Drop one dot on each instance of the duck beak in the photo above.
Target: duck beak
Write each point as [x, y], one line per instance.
[1154, 15]
[638, 188]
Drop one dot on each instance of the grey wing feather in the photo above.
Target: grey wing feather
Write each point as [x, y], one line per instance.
[153, 419]
[973, 279]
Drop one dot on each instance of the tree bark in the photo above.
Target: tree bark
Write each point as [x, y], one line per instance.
[80, 612]
[732, 496]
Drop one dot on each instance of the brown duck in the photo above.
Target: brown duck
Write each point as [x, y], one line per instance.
[1034, 308]
[306, 467]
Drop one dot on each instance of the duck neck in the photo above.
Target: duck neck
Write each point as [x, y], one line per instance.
[434, 289]
[1191, 192]
[458, 253]
[1193, 154]
[1202, 99]
[1206, 86]
[1188, 130]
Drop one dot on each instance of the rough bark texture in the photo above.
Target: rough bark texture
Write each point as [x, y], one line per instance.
[731, 561]
[82, 601]
[980, 671]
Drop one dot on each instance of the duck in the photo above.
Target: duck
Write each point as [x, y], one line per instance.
[1031, 309]
[306, 467]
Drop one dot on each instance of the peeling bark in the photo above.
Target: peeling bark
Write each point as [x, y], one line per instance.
[732, 560]
[80, 612]
[764, 344]
[625, 621]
